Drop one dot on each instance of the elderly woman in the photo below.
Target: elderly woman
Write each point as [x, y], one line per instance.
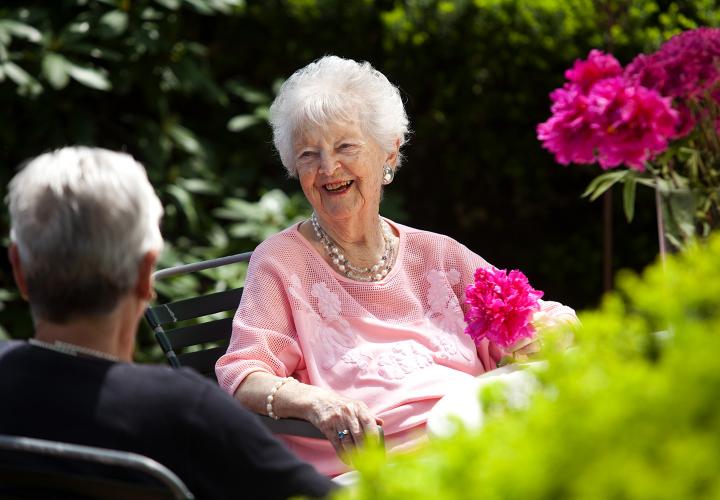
[348, 319]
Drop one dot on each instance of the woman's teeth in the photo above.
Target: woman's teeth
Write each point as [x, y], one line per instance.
[337, 186]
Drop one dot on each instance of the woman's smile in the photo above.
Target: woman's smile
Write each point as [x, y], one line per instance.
[336, 188]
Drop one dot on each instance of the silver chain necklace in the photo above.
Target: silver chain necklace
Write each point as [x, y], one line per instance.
[72, 349]
[376, 272]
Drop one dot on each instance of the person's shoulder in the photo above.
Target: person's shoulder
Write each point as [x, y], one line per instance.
[9, 345]
[415, 235]
[287, 240]
[158, 381]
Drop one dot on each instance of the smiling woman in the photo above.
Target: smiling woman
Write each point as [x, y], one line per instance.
[350, 320]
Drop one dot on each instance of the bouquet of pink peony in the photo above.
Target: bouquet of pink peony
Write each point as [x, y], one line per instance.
[502, 306]
[660, 117]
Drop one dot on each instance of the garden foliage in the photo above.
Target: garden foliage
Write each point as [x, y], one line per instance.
[630, 412]
[184, 86]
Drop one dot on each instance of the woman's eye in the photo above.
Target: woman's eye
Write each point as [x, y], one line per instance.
[307, 154]
[346, 147]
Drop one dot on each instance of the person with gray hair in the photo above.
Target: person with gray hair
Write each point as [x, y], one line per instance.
[349, 319]
[85, 237]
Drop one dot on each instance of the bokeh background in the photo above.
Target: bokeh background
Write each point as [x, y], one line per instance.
[184, 86]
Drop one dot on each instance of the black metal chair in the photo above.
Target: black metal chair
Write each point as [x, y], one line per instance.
[199, 345]
[37, 468]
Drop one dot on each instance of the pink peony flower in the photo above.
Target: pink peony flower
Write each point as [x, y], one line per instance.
[601, 116]
[568, 133]
[598, 66]
[684, 67]
[502, 305]
[633, 124]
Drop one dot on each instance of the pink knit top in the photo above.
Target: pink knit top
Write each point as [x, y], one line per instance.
[397, 344]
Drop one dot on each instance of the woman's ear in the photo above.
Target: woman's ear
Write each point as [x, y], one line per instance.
[392, 156]
[18, 274]
[144, 288]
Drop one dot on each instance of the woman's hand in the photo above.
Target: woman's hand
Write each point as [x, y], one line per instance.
[325, 409]
[334, 414]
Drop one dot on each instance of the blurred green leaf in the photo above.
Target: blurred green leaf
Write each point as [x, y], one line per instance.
[116, 21]
[241, 122]
[89, 77]
[20, 30]
[185, 139]
[56, 69]
[16, 73]
[185, 202]
[199, 186]
[629, 198]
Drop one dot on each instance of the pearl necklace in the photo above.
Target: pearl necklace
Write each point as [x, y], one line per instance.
[376, 272]
[73, 350]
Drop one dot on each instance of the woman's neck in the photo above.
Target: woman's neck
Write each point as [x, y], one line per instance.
[362, 241]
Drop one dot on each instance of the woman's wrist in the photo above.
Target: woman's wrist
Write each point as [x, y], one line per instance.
[270, 399]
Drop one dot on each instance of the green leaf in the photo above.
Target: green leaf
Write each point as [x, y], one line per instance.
[116, 21]
[55, 68]
[241, 122]
[199, 186]
[185, 203]
[247, 94]
[17, 74]
[169, 4]
[89, 77]
[21, 30]
[185, 139]
[602, 183]
[629, 198]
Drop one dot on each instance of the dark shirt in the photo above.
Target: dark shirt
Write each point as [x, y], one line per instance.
[182, 420]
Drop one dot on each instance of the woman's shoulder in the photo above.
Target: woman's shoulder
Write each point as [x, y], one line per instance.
[287, 240]
[285, 251]
[423, 236]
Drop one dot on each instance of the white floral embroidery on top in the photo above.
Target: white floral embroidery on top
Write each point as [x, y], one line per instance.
[334, 340]
[328, 302]
[405, 357]
[446, 314]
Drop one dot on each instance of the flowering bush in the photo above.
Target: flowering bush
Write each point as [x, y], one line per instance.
[660, 117]
[502, 305]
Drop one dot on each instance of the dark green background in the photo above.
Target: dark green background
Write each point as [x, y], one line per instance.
[163, 80]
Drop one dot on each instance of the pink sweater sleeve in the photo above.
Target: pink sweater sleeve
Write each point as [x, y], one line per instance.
[263, 332]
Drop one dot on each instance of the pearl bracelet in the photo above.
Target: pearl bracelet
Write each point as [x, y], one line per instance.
[271, 397]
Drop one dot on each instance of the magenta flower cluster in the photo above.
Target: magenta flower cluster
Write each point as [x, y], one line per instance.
[613, 116]
[502, 305]
[599, 115]
[686, 68]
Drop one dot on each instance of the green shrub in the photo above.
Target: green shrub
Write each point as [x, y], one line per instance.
[632, 411]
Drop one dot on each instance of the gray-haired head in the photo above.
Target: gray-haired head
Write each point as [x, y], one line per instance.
[82, 219]
[335, 90]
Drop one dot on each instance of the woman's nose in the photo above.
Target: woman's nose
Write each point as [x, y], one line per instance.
[328, 164]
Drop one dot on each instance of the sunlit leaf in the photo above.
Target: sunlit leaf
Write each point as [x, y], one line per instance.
[185, 202]
[17, 74]
[21, 30]
[241, 122]
[169, 4]
[89, 77]
[200, 186]
[55, 68]
[115, 20]
[185, 139]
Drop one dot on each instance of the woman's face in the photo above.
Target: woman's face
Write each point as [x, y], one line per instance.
[340, 171]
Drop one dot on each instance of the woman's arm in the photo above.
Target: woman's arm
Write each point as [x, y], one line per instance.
[327, 410]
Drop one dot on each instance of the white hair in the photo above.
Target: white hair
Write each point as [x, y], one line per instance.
[82, 219]
[332, 90]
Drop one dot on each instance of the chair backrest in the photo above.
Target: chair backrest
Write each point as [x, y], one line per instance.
[38, 468]
[199, 345]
